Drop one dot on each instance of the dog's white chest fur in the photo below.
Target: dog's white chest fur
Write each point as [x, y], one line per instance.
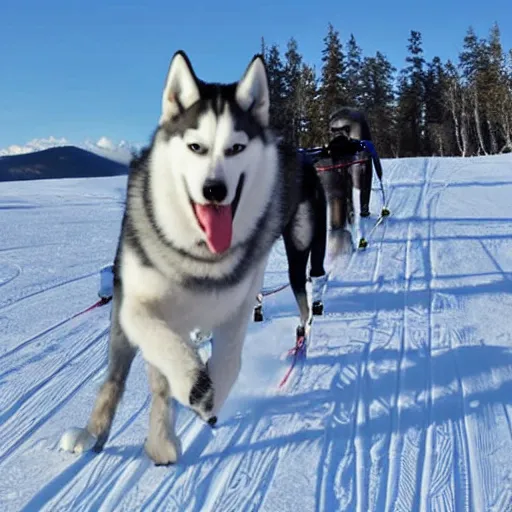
[186, 310]
[182, 308]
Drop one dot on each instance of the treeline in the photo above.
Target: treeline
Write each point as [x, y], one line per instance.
[426, 108]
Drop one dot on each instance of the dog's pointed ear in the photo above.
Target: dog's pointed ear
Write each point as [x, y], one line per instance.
[181, 89]
[252, 90]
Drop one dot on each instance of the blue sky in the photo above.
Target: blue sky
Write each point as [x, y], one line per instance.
[86, 69]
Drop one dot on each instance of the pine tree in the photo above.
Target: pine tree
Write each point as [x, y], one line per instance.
[438, 123]
[403, 135]
[417, 91]
[275, 73]
[472, 61]
[311, 126]
[352, 72]
[411, 101]
[293, 97]
[497, 101]
[377, 100]
[333, 89]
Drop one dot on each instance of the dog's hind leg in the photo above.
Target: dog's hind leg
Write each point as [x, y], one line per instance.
[297, 266]
[336, 216]
[121, 354]
[318, 244]
[318, 249]
[358, 235]
[162, 445]
[359, 196]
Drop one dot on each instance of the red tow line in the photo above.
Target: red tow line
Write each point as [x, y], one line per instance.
[101, 302]
[296, 352]
[340, 166]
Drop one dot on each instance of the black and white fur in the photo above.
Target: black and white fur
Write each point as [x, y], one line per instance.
[213, 145]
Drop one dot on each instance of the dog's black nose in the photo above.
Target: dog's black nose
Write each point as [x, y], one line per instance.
[215, 190]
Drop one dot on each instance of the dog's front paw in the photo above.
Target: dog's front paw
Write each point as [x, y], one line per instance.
[163, 452]
[77, 440]
[201, 396]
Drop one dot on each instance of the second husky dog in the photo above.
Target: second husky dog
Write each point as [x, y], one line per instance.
[352, 124]
[206, 201]
[345, 167]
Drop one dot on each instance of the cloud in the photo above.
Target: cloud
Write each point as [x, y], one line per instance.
[34, 145]
[104, 146]
[120, 152]
[105, 143]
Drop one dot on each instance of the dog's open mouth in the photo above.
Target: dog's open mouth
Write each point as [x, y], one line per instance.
[216, 220]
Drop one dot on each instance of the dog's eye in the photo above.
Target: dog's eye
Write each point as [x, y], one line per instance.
[234, 149]
[197, 148]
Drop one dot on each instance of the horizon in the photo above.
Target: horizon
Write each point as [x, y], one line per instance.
[96, 73]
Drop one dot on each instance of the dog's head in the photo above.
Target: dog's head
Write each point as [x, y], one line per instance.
[342, 147]
[342, 127]
[213, 164]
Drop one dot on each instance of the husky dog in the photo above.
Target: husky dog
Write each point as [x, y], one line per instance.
[206, 201]
[353, 124]
[345, 168]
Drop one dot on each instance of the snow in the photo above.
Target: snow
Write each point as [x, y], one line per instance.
[403, 402]
[69, 440]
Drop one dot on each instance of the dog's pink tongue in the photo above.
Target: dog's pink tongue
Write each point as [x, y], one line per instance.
[217, 223]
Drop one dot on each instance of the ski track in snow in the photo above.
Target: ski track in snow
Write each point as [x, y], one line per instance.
[403, 402]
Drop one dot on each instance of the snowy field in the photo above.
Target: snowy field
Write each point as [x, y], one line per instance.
[403, 403]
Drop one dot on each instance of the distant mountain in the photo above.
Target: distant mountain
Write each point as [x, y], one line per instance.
[58, 162]
[119, 152]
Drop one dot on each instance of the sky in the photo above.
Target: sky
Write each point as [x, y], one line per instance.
[83, 70]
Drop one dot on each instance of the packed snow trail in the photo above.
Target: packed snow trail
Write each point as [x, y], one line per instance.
[402, 404]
